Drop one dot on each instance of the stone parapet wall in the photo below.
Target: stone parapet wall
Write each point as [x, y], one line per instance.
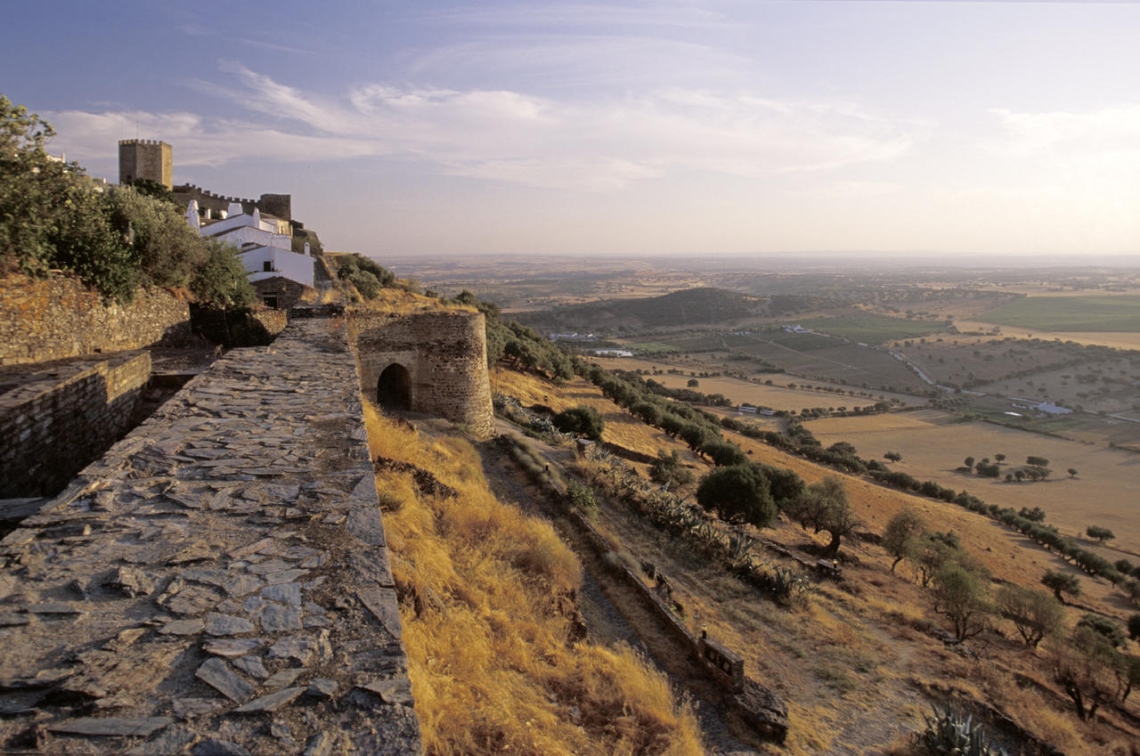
[218, 582]
[57, 418]
[445, 353]
[59, 317]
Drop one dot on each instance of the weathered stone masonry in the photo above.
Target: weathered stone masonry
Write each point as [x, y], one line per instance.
[444, 354]
[219, 580]
[59, 317]
[58, 418]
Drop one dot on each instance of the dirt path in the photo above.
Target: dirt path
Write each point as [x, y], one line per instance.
[614, 612]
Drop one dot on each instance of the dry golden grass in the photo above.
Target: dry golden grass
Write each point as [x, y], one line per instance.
[486, 601]
[857, 665]
[777, 396]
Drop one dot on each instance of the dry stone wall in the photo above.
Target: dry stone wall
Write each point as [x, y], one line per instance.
[59, 317]
[58, 417]
[219, 581]
[445, 354]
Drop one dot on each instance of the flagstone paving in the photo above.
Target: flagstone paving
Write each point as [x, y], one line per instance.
[218, 583]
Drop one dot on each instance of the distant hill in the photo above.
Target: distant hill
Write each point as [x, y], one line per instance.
[702, 306]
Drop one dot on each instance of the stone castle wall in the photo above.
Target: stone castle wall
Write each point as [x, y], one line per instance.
[219, 581]
[59, 317]
[59, 418]
[213, 205]
[445, 354]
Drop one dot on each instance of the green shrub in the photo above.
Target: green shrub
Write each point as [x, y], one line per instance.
[581, 420]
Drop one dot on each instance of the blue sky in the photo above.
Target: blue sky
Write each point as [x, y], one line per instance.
[689, 128]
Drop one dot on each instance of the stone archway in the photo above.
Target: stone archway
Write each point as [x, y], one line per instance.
[394, 389]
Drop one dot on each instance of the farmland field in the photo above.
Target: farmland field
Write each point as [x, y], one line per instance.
[1106, 490]
[777, 396]
[1114, 314]
[872, 329]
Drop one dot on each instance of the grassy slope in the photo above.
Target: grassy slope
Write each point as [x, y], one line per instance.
[856, 664]
[488, 610]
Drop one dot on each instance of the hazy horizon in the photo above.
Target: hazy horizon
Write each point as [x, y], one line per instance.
[965, 129]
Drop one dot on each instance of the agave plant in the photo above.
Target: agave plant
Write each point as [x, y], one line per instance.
[947, 732]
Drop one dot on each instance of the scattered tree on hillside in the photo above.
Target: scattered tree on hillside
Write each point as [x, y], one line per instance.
[1128, 674]
[1099, 533]
[824, 506]
[1036, 461]
[968, 463]
[999, 457]
[1034, 614]
[668, 470]
[738, 492]
[693, 383]
[723, 453]
[930, 552]
[1072, 472]
[1104, 627]
[1062, 582]
[960, 594]
[988, 469]
[582, 421]
[1085, 666]
[893, 456]
[900, 533]
[784, 484]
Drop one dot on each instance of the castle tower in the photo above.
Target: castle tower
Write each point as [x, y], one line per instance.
[146, 159]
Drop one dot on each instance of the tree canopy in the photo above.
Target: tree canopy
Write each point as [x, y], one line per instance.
[116, 239]
[738, 491]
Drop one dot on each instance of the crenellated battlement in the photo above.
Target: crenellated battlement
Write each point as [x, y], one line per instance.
[153, 142]
[199, 194]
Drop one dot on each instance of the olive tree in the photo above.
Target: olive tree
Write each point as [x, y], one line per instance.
[1085, 666]
[960, 594]
[901, 530]
[581, 420]
[1034, 614]
[824, 506]
[740, 492]
[1062, 582]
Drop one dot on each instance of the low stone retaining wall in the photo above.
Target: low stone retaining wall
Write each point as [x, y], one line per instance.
[218, 582]
[59, 317]
[57, 418]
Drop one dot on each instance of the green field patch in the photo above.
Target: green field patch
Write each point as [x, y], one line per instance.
[1078, 314]
[652, 347]
[801, 342]
[873, 329]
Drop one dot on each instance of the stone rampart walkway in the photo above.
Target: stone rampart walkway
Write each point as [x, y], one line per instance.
[218, 583]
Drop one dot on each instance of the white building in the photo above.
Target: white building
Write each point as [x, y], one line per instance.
[265, 243]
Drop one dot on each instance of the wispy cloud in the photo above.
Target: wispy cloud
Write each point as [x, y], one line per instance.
[1109, 130]
[519, 138]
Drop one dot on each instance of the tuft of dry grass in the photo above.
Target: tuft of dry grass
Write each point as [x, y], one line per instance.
[487, 601]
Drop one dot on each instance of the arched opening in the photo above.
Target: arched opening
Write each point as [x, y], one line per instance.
[394, 389]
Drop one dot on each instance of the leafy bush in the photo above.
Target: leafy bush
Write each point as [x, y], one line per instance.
[668, 471]
[1104, 627]
[115, 239]
[738, 491]
[220, 278]
[581, 420]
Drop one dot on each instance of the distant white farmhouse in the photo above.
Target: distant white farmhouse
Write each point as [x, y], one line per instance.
[266, 248]
[612, 353]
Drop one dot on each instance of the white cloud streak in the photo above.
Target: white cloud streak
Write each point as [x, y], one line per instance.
[512, 137]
